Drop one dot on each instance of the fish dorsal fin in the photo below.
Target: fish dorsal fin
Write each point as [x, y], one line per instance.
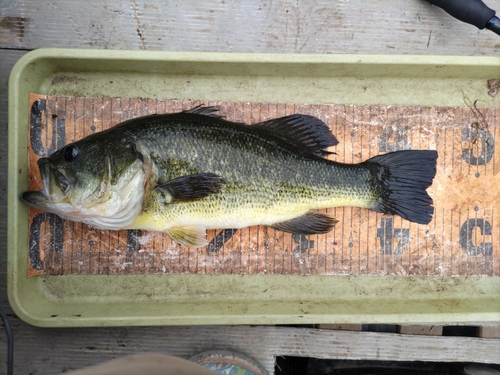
[201, 109]
[307, 132]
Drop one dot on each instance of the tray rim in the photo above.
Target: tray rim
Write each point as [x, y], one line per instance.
[18, 284]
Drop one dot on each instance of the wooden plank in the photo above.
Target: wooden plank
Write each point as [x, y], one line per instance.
[489, 331]
[341, 327]
[321, 26]
[410, 329]
[76, 348]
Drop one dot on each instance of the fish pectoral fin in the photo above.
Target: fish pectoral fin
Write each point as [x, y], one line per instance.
[191, 236]
[191, 187]
[308, 133]
[310, 223]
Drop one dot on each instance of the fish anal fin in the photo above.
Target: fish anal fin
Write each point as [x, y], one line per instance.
[191, 187]
[310, 223]
[308, 133]
[190, 236]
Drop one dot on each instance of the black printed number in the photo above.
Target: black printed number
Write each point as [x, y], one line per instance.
[55, 229]
[484, 148]
[468, 240]
[219, 240]
[399, 136]
[303, 243]
[134, 240]
[58, 136]
[388, 234]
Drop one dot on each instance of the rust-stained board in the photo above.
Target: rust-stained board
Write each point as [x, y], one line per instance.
[461, 240]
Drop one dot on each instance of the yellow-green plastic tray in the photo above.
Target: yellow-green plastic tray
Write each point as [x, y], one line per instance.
[99, 300]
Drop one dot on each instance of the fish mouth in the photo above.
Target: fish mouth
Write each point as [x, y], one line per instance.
[44, 167]
[56, 186]
[36, 198]
[40, 198]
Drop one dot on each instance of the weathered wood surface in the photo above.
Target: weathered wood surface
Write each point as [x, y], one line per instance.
[489, 331]
[321, 26]
[67, 349]
[356, 26]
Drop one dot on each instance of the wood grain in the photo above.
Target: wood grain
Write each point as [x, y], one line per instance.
[75, 348]
[321, 26]
[409, 329]
[489, 331]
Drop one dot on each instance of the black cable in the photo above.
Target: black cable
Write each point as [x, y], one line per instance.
[474, 12]
[10, 344]
[494, 25]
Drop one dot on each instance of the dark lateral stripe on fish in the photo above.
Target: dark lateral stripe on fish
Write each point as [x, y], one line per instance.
[401, 180]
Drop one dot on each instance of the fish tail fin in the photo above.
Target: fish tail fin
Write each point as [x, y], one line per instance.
[401, 180]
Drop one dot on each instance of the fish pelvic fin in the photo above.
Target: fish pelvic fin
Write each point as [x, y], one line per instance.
[310, 223]
[190, 236]
[400, 180]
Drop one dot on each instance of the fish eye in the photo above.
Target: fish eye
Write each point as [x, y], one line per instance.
[71, 152]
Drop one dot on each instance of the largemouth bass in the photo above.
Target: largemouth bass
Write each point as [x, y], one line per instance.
[186, 172]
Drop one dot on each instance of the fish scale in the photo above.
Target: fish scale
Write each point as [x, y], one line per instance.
[267, 181]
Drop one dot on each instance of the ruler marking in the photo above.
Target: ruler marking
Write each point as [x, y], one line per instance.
[493, 241]
[361, 115]
[469, 238]
[454, 258]
[495, 137]
[451, 212]
[451, 243]
[421, 125]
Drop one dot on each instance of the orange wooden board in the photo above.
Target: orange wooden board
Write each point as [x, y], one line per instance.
[461, 240]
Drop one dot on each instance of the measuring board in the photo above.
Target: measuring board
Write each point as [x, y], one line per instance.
[461, 240]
